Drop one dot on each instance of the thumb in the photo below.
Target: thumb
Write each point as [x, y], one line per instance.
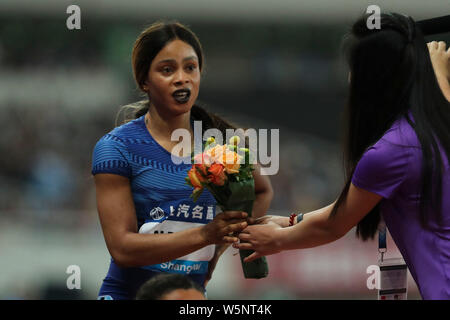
[255, 255]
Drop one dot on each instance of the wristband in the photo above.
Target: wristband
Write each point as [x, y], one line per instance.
[291, 219]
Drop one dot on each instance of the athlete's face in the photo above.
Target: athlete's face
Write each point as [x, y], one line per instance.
[183, 294]
[174, 78]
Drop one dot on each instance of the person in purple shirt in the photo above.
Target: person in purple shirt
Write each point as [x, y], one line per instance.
[397, 151]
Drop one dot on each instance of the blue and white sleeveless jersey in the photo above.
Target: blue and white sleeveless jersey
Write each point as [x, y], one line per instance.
[161, 196]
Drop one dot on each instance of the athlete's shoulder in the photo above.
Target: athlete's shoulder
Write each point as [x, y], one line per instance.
[127, 131]
[123, 135]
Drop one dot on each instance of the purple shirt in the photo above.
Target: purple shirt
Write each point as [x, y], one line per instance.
[392, 169]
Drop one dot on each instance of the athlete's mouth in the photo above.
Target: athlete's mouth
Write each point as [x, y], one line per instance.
[182, 95]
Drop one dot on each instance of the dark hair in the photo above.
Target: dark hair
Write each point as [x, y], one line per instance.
[164, 283]
[391, 75]
[149, 43]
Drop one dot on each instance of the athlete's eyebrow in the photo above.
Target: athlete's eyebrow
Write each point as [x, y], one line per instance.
[174, 61]
[190, 58]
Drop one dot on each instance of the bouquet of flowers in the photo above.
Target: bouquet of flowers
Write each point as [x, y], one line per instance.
[226, 171]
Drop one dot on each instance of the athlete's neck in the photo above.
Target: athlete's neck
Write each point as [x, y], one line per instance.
[163, 125]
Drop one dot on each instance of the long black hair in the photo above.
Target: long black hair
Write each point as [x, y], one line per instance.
[149, 43]
[391, 75]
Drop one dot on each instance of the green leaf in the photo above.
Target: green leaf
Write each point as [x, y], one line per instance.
[196, 194]
[240, 195]
[188, 181]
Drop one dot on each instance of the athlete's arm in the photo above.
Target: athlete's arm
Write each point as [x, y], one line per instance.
[128, 248]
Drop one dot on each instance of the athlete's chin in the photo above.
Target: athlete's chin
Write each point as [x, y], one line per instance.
[181, 108]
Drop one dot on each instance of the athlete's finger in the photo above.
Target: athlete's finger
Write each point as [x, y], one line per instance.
[235, 215]
[237, 227]
[235, 221]
[251, 220]
[230, 239]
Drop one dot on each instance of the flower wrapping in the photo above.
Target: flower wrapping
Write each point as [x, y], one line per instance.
[225, 170]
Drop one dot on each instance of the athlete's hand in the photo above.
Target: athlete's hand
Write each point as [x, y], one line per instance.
[224, 226]
[440, 58]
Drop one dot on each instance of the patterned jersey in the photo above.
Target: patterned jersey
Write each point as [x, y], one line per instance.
[161, 196]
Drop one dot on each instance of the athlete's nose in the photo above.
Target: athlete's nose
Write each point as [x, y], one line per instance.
[181, 78]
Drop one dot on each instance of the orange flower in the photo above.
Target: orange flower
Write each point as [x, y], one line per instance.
[217, 175]
[216, 153]
[202, 171]
[196, 178]
[202, 158]
[231, 162]
[226, 157]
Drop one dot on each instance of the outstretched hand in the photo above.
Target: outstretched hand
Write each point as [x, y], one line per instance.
[224, 227]
[264, 239]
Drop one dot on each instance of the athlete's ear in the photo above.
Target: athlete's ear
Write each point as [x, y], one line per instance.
[146, 83]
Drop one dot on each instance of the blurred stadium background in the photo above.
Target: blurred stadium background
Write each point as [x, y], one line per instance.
[269, 64]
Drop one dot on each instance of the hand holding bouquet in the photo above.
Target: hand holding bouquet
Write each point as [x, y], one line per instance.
[226, 171]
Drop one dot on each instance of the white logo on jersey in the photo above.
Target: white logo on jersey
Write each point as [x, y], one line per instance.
[156, 213]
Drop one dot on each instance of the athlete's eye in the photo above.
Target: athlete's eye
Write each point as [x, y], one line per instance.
[167, 70]
[191, 67]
